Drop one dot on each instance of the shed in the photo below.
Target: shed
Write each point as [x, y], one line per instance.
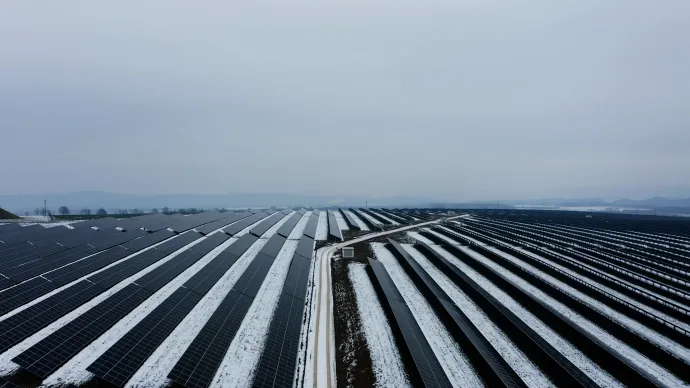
[348, 253]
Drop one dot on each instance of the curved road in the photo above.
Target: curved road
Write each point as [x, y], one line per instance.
[324, 364]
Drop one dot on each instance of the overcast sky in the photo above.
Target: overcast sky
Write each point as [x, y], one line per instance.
[462, 99]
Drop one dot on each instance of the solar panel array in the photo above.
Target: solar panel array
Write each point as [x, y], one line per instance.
[239, 226]
[423, 365]
[279, 357]
[198, 365]
[266, 224]
[290, 224]
[46, 356]
[227, 220]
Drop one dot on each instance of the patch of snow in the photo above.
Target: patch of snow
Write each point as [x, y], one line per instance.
[242, 358]
[385, 358]
[518, 361]
[620, 348]
[342, 224]
[420, 238]
[5, 359]
[568, 350]
[154, 372]
[387, 218]
[362, 225]
[453, 361]
[298, 230]
[305, 359]
[322, 228]
[74, 371]
[370, 218]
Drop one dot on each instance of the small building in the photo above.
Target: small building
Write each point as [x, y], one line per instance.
[348, 253]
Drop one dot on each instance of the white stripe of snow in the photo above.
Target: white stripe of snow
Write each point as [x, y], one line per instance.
[385, 358]
[387, 218]
[298, 230]
[571, 352]
[342, 224]
[632, 325]
[370, 218]
[154, 372]
[362, 225]
[520, 362]
[305, 363]
[420, 238]
[242, 358]
[322, 227]
[74, 371]
[621, 348]
[452, 359]
[5, 358]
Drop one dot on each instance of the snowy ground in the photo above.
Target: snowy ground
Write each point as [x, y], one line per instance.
[520, 362]
[242, 358]
[342, 224]
[322, 228]
[622, 349]
[361, 223]
[453, 361]
[568, 350]
[386, 362]
[420, 238]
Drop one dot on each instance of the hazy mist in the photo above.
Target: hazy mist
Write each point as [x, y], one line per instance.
[458, 100]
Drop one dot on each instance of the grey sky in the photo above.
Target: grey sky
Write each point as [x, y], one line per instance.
[455, 99]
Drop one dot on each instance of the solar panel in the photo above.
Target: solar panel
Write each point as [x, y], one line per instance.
[215, 225]
[209, 243]
[207, 277]
[27, 322]
[297, 277]
[168, 271]
[305, 247]
[244, 223]
[76, 270]
[46, 356]
[126, 268]
[54, 261]
[124, 358]
[273, 245]
[310, 229]
[178, 242]
[266, 224]
[333, 227]
[7, 384]
[148, 240]
[24, 293]
[199, 363]
[351, 222]
[428, 370]
[287, 227]
[279, 357]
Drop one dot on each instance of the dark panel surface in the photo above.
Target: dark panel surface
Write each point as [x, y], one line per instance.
[287, 227]
[266, 224]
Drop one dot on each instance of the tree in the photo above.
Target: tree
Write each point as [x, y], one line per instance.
[155, 210]
[122, 211]
[101, 212]
[166, 210]
[85, 212]
[64, 210]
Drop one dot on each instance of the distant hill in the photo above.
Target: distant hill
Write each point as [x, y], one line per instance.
[5, 215]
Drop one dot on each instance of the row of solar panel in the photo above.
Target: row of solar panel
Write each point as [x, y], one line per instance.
[312, 224]
[46, 356]
[125, 357]
[350, 220]
[333, 227]
[198, 365]
[279, 357]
